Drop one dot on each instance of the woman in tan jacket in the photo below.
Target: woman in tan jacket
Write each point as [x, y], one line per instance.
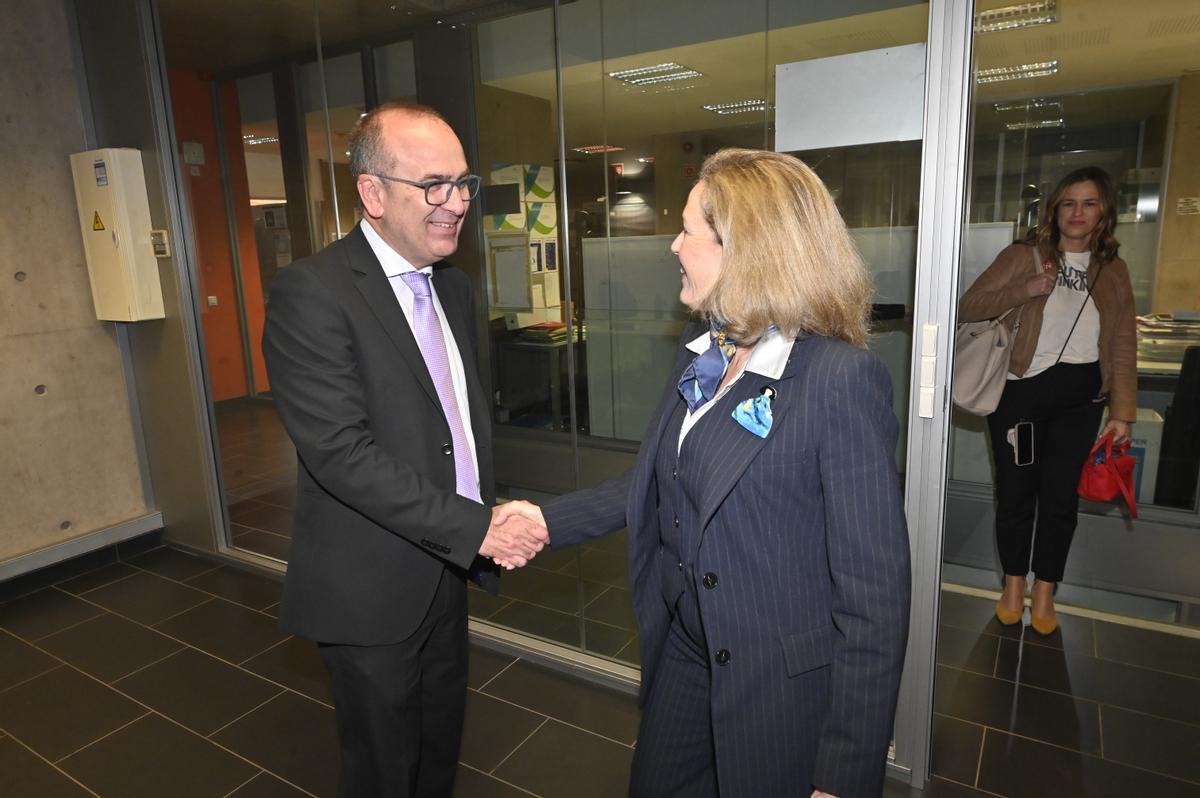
[1075, 350]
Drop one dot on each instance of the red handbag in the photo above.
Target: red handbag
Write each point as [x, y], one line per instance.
[1108, 474]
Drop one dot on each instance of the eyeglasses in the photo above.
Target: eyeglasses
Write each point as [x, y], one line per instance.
[438, 192]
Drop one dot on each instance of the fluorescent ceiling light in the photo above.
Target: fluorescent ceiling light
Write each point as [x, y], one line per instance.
[647, 159]
[1016, 72]
[739, 107]
[251, 139]
[596, 149]
[1028, 105]
[1012, 17]
[658, 73]
[254, 201]
[1040, 124]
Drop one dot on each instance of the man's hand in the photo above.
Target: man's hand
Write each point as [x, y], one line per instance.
[513, 539]
[819, 794]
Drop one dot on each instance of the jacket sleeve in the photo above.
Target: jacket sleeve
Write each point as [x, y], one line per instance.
[319, 392]
[1122, 402]
[589, 513]
[1001, 287]
[867, 544]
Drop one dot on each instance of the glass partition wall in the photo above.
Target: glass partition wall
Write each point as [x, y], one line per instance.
[589, 122]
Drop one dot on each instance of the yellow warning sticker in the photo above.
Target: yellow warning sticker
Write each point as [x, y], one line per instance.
[96, 223]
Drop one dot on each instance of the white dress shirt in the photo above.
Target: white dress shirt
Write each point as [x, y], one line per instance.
[393, 266]
[768, 358]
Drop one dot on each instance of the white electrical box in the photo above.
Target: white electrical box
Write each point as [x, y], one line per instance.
[114, 218]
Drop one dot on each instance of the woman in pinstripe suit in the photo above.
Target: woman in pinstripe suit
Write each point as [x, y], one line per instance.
[768, 548]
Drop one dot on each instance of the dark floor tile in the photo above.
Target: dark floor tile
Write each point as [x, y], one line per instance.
[292, 737]
[1144, 741]
[560, 761]
[173, 563]
[284, 496]
[613, 543]
[557, 561]
[540, 622]
[224, 629]
[241, 587]
[606, 640]
[1020, 768]
[631, 654]
[152, 758]
[554, 591]
[942, 788]
[25, 774]
[613, 607]
[98, 578]
[979, 615]
[1029, 711]
[128, 549]
[147, 598]
[239, 509]
[483, 605]
[483, 664]
[470, 783]
[1149, 649]
[493, 730]
[967, 650]
[264, 543]
[20, 661]
[597, 709]
[954, 749]
[269, 518]
[1104, 681]
[44, 612]
[296, 664]
[611, 568]
[109, 647]
[63, 710]
[264, 785]
[272, 610]
[53, 574]
[197, 690]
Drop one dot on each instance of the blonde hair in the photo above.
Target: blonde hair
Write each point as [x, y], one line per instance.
[787, 258]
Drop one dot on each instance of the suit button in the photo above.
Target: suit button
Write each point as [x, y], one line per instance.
[447, 449]
[673, 472]
[723, 657]
[680, 566]
[709, 580]
[676, 520]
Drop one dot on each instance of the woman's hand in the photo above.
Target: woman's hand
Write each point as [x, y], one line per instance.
[1120, 430]
[1041, 284]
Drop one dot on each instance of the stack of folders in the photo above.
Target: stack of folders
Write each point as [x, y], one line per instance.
[547, 332]
[1163, 337]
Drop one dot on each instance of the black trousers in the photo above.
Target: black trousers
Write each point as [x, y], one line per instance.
[1066, 419]
[400, 707]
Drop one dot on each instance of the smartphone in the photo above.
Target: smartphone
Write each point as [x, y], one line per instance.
[1023, 446]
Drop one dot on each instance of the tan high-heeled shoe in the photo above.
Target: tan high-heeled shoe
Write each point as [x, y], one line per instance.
[1043, 624]
[1006, 616]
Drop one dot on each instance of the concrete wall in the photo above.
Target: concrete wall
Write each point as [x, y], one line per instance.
[68, 458]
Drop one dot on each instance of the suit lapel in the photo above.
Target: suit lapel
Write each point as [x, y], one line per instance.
[737, 457]
[373, 285]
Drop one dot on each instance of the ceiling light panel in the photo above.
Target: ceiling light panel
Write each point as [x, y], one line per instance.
[658, 73]
[739, 107]
[1028, 105]
[1016, 72]
[1025, 15]
[597, 149]
[1040, 124]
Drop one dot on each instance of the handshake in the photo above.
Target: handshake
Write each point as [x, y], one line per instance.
[517, 533]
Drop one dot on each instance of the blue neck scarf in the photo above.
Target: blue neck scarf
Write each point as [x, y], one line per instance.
[699, 382]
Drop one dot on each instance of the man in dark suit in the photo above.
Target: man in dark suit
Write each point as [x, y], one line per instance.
[370, 346]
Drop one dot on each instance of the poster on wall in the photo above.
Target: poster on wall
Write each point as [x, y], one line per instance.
[550, 249]
[535, 256]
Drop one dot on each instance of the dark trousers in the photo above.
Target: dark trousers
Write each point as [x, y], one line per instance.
[400, 707]
[675, 754]
[1066, 419]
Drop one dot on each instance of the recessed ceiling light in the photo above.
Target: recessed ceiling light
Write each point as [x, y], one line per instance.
[251, 139]
[658, 73]
[1016, 72]
[739, 107]
[1028, 105]
[596, 149]
[1020, 16]
[647, 159]
[1040, 124]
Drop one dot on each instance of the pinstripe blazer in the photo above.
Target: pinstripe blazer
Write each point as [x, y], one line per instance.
[806, 531]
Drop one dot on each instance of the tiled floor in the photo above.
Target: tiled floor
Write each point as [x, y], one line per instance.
[165, 674]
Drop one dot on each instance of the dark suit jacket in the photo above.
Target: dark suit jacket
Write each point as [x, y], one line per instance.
[377, 517]
[805, 531]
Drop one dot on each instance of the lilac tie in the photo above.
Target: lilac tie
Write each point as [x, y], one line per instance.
[428, 330]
